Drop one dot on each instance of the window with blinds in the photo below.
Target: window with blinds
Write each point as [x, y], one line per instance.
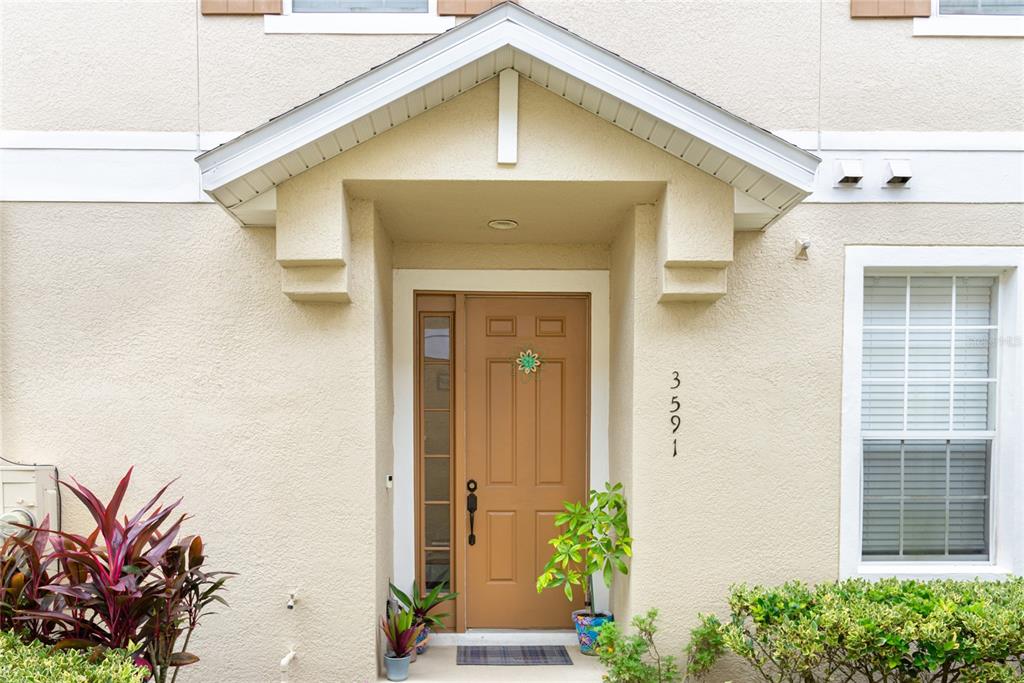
[927, 416]
[991, 7]
[367, 6]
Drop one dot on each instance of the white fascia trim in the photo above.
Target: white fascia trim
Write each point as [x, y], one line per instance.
[969, 25]
[133, 166]
[406, 282]
[508, 25]
[1008, 448]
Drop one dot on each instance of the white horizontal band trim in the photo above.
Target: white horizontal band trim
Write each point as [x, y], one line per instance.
[113, 140]
[903, 140]
[159, 166]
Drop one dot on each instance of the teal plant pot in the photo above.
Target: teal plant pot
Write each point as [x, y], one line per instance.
[587, 627]
[397, 668]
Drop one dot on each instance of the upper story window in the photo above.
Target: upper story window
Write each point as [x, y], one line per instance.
[990, 7]
[386, 17]
[996, 18]
[933, 413]
[370, 6]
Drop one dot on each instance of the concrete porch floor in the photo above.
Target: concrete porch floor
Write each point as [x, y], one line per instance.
[438, 665]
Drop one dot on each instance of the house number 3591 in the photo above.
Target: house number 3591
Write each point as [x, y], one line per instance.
[673, 412]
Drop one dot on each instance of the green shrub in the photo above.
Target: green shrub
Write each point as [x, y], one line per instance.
[888, 631]
[35, 663]
[635, 658]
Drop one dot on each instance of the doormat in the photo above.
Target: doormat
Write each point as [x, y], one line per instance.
[512, 655]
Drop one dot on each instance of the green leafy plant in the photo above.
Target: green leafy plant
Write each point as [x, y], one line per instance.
[34, 662]
[889, 631]
[401, 630]
[635, 658]
[595, 538]
[129, 584]
[421, 605]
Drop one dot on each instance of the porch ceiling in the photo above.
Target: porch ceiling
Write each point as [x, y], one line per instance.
[762, 167]
[547, 212]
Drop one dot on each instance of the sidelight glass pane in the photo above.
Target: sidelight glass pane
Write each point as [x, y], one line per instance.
[436, 525]
[436, 386]
[437, 568]
[436, 434]
[436, 480]
[437, 338]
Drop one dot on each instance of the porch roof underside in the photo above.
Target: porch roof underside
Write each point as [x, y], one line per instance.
[241, 174]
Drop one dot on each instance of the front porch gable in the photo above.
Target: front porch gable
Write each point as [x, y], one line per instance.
[749, 177]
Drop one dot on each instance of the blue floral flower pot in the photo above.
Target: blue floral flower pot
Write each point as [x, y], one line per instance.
[423, 641]
[587, 627]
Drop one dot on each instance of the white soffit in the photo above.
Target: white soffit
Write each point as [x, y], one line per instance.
[757, 163]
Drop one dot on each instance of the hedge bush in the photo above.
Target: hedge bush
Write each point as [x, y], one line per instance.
[888, 631]
[35, 663]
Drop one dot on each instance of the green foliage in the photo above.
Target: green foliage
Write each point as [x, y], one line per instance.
[595, 539]
[888, 631]
[401, 630]
[35, 663]
[422, 605]
[635, 658]
[133, 583]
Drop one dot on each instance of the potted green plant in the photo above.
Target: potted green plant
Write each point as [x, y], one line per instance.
[401, 632]
[421, 606]
[594, 538]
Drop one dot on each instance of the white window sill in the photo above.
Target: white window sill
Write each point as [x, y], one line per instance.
[969, 25]
[931, 570]
[425, 23]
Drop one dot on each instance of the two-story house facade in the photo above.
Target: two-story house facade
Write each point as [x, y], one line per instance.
[769, 256]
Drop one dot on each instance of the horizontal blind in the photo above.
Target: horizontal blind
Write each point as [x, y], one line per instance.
[928, 401]
[361, 6]
[996, 7]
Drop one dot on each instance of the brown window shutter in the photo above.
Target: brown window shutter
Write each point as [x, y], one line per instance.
[881, 9]
[241, 6]
[464, 8]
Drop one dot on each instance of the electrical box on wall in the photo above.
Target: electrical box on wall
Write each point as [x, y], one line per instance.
[31, 489]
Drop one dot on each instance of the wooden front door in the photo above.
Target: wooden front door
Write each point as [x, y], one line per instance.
[526, 445]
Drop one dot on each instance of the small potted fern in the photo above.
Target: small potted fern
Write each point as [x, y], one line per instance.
[594, 538]
[401, 630]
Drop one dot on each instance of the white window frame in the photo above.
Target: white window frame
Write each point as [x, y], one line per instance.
[378, 23]
[968, 25]
[1006, 551]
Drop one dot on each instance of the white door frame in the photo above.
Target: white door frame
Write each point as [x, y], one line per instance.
[406, 283]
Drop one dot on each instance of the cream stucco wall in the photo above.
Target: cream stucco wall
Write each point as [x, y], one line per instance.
[753, 495]
[157, 336]
[791, 64]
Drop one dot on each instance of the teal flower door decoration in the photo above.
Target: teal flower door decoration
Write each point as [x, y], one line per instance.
[528, 362]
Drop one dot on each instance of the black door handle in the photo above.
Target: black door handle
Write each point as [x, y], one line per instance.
[471, 508]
